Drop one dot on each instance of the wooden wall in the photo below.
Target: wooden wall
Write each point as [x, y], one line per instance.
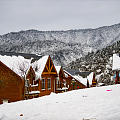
[31, 75]
[47, 91]
[73, 84]
[11, 85]
[61, 81]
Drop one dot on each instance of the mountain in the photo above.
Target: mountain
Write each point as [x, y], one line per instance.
[63, 46]
[100, 62]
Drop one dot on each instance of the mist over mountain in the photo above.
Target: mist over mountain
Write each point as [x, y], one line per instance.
[63, 46]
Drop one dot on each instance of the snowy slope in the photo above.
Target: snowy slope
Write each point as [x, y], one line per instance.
[102, 103]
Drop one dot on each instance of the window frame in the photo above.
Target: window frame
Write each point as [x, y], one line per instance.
[5, 101]
[49, 82]
[58, 82]
[42, 83]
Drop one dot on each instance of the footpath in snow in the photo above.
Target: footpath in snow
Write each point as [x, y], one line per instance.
[100, 103]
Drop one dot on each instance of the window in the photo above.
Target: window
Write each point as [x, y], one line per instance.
[58, 83]
[43, 83]
[27, 83]
[49, 83]
[5, 101]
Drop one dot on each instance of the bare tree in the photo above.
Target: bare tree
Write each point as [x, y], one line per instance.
[23, 69]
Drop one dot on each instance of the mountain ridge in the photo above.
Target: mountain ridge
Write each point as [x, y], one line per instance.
[63, 30]
[63, 46]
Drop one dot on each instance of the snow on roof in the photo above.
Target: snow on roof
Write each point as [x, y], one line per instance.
[90, 78]
[16, 63]
[116, 62]
[58, 69]
[67, 73]
[81, 79]
[41, 65]
[78, 78]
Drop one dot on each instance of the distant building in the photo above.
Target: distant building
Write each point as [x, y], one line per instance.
[73, 82]
[116, 67]
[86, 78]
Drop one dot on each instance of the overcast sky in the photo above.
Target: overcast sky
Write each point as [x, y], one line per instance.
[16, 15]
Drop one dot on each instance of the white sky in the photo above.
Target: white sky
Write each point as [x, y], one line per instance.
[16, 15]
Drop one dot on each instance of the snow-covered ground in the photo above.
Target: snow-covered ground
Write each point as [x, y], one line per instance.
[100, 103]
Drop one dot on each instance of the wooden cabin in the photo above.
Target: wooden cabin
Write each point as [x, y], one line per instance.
[11, 85]
[116, 67]
[47, 75]
[61, 84]
[31, 84]
[78, 82]
[72, 82]
[49, 79]
[31, 76]
[43, 80]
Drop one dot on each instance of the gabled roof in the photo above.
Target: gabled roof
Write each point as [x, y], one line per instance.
[84, 80]
[41, 64]
[78, 78]
[7, 68]
[81, 79]
[72, 71]
[30, 70]
[116, 62]
[44, 66]
[78, 72]
[16, 63]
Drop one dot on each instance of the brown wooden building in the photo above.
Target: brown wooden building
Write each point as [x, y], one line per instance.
[41, 79]
[61, 83]
[72, 82]
[48, 78]
[11, 85]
